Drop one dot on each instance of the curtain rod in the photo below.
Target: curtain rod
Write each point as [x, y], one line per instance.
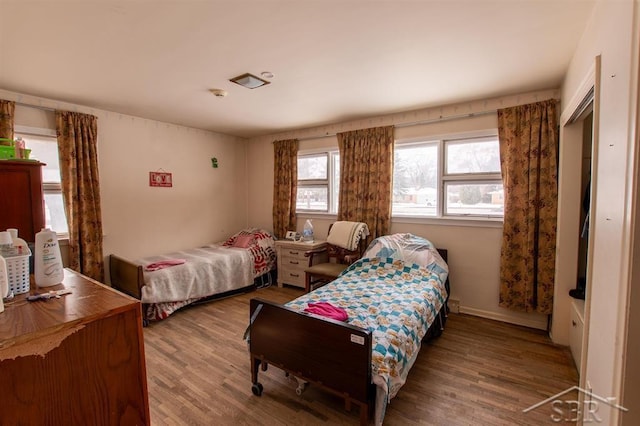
[415, 123]
[35, 106]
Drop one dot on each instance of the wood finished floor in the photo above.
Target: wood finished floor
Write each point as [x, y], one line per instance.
[479, 372]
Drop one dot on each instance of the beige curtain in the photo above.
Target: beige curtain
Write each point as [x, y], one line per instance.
[366, 170]
[7, 109]
[77, 147]
[285, 186]
[529, 158]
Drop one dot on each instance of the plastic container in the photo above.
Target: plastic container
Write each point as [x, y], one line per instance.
[19, 244]
[18, 272]
[307, 231]
[47, 260]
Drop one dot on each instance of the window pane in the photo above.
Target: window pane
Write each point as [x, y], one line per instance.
[415, 180]
[45, 150]
[55, 218]
[312, 198]
[312, 167]
[473, 156]
[484, 199]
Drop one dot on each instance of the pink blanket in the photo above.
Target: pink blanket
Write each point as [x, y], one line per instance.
[326, 309]
[163, 264]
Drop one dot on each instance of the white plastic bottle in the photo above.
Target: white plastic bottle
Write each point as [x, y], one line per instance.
[307, 231]
[19, 244]
[4, 282]
[48, 260]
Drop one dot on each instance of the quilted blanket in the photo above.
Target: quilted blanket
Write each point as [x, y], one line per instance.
[397, 301]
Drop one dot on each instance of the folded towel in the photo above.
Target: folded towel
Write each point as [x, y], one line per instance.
[163, 264]
[326, 309]
[347, 234]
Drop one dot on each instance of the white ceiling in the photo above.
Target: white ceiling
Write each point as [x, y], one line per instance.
[332, 60]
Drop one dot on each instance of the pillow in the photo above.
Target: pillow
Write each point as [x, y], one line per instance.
[243, 241]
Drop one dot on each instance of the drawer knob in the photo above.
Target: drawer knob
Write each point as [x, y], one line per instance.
[293, 252]
[294, 262]
[573, 323]
[295, 275]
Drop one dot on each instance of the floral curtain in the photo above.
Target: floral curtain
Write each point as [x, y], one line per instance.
[366, 170]
[285, 186]
[529, 160]
[77, 148]
[7, 109]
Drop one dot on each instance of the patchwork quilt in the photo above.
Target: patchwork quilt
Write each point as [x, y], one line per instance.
[397, 301]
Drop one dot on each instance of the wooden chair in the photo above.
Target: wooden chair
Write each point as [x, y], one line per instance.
[338, 259]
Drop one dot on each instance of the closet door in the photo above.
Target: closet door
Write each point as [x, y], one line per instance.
[22, 198]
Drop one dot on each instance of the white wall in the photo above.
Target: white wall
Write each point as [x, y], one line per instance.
[613, 34]
[204, 204]
[474, 248]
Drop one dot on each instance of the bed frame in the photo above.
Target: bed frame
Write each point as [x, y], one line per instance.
[128, 278]
[332, 354]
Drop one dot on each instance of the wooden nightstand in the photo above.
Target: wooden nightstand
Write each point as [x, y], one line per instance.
[292, 262]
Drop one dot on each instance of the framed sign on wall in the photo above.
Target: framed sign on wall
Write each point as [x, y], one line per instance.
[162, 179]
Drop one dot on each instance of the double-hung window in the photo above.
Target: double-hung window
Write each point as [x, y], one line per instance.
[318, 181]
[44, 147]
[457, 177]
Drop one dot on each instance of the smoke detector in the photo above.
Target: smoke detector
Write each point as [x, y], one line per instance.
[218, 93]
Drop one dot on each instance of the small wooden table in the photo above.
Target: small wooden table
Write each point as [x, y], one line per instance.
[78, 359]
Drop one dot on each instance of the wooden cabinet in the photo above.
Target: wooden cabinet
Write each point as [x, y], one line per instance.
[22, 199]
[292, 262]
[74, 360]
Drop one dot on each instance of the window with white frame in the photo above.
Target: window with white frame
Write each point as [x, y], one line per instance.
[318, 182]
[44, 147]
[448, 178]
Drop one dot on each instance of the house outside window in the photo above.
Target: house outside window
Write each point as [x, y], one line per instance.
[43, 144]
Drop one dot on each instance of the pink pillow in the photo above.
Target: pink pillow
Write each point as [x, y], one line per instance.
[243, 241]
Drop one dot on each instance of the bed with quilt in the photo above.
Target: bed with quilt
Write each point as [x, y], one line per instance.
[166, 283]
[359, 335]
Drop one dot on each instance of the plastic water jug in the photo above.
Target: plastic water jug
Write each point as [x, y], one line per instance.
[307, 231]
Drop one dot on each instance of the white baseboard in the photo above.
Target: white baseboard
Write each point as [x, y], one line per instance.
[540, 324]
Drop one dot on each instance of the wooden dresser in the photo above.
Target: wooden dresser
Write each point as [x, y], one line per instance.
[22, 200]
[292, 262]
[74, 360]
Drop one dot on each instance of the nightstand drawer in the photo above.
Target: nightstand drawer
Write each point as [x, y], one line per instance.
[292, 262]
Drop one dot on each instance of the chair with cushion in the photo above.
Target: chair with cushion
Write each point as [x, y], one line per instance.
[345, 244]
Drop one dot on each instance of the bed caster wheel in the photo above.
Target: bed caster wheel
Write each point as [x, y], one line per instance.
[257, 388]
[302, 385]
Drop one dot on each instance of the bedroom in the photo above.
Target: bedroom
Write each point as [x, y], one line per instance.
[189, 215]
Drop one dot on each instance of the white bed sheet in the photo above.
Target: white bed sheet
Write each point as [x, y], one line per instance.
[208, 270]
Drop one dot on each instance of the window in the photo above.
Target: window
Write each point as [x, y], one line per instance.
[318, 181]
[454, 177]
[44, 147]
[450, 177]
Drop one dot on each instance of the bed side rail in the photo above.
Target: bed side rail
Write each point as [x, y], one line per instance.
[334, 354]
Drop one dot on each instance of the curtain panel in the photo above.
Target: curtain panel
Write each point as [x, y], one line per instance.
[529, 159]
[366, 170]
[7, 113]
[77, 148]
[285, 186]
